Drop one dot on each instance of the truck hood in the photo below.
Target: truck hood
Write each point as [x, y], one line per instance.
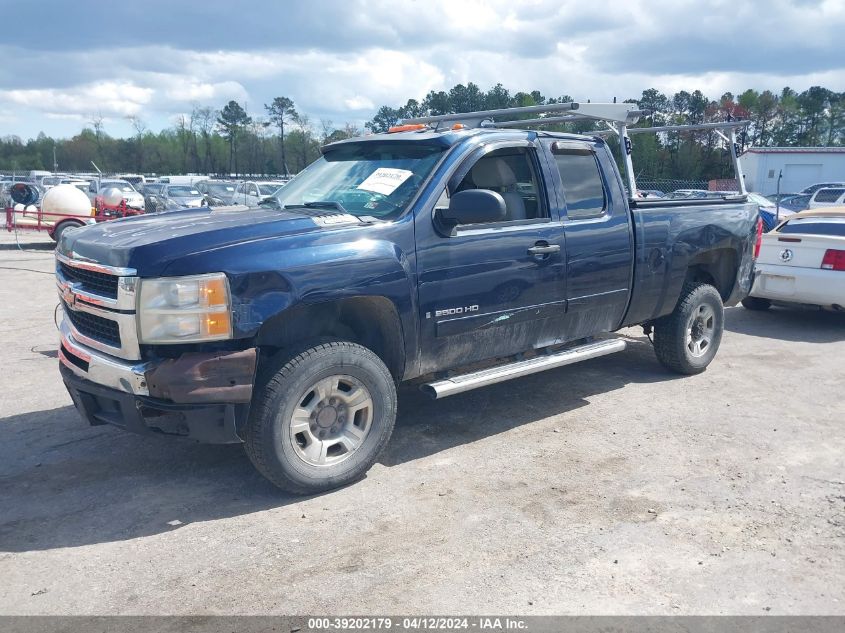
[149, 243]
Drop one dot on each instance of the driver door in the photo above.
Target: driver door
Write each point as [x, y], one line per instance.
[489, 290]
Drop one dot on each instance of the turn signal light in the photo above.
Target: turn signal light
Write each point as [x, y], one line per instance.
[217, 324]
[833, 259]
[216, 292]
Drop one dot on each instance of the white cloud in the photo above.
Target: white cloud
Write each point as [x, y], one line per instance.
[107, 97]
[343, 63]
[359, 102]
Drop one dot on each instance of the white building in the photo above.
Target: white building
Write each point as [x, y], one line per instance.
[801, 166]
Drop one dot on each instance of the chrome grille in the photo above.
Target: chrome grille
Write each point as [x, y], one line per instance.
[100, 283]
[98, 302]
[93, 326]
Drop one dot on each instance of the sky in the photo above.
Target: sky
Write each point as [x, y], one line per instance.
[64, 63]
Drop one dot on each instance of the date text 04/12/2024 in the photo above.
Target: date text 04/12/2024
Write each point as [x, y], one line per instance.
[427, 623]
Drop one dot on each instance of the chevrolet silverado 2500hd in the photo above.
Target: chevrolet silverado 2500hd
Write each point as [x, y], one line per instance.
[399, 256]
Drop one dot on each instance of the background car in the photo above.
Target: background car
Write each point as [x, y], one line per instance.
[251, 193]
[152, 197]
[802, 262]
[796, 203]
[828, 197]
[53, 180]
[217, 192]
[768, 210]
[783, 196]
[821, 185]
[131, 197]
[181, 197]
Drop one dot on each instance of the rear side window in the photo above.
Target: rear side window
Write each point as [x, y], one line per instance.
[583, 189]
[829, 195]
[815, 226]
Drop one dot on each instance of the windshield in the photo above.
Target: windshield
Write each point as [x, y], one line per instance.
[220, 189]
[183, 191]
[367, 178]
[125, 187]
[266, 189]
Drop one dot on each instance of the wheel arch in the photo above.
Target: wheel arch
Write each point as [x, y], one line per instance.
[718, 267]
[60, 226]
[370, 321]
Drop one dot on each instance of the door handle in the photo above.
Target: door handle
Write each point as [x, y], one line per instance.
[543, 248]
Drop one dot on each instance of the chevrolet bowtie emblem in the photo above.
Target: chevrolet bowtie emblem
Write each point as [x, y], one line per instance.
[69, 297]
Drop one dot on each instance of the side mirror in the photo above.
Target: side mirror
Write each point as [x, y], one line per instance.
[475, 206]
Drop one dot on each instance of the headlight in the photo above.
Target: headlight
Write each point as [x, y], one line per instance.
[184, 309]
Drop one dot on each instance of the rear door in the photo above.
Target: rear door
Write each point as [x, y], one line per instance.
[599, 238]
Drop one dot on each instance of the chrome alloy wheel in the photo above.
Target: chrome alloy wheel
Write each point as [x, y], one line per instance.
[701, 329]
[331, 421]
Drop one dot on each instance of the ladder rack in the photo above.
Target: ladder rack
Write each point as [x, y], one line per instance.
[616, 116]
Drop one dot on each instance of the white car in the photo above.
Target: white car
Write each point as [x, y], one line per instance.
[802, 261]
[251, 193]
[131, 197]
[828, 197]
[821, 185]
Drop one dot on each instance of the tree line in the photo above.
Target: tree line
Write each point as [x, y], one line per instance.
[283, 140]
[228, 141]
[814, 117]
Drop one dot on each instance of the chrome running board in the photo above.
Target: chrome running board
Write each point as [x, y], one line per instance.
[482, 378]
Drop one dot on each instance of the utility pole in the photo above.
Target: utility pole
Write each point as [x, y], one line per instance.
[55, 164]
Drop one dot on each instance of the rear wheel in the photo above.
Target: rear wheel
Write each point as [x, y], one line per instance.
[322, 419]
[687, 340]
[756, 303]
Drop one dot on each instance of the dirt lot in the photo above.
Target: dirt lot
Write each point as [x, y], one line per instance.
[606, 487]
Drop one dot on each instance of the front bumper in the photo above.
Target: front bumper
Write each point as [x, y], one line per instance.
[211, 424]
[204, 397]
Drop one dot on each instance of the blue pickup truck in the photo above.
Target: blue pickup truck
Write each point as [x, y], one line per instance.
[456, 258]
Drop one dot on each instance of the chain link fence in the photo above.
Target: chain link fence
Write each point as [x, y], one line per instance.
[668, 185]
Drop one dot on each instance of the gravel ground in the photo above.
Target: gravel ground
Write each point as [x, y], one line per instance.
[609, 487]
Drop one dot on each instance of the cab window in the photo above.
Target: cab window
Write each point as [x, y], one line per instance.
[512, 173]
[583, 189]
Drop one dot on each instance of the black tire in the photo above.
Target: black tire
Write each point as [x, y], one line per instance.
[671, 332]
[756, 303]
[64, 226]
[268, 437]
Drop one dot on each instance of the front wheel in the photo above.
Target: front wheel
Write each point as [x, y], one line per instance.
[322, 419]
[686, 341]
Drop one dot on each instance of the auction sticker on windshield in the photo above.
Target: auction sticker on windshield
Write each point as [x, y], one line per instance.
[385, 180]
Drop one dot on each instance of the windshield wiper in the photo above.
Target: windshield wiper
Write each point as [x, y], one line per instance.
[319, 204]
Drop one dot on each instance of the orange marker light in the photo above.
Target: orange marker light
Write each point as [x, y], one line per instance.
[458, 126]
[216, 324]
[215, 292]
[406, 128]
